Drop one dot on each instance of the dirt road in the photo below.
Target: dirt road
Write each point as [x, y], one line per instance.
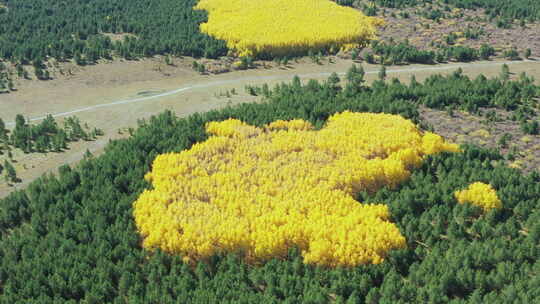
[248, 80]
[103, 98]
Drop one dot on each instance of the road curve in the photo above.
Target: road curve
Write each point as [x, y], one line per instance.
[267, 78]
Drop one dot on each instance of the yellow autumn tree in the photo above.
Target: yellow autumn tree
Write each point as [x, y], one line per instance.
[261, 191]
[479, 194]
[286, 27]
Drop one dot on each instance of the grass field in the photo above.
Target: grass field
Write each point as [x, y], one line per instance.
[106, 83]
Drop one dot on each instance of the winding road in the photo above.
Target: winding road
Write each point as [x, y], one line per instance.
[112, 115]
[267, 78]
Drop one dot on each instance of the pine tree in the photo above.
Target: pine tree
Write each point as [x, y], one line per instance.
[370, 58]
[79, 60]
[354, 54]
[505, 72]
[334, 80]
[527, 53]
[10, 84]
[3, 130]
[355, 79]
[59, 141]
[20, 70]
[11, 174]
[87, 154]
[168, 60]
[42, 143]
[382, 73]
[486, 51]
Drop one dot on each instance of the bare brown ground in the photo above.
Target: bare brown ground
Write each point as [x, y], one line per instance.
[118, 80]
[421, 32]
[462, 127]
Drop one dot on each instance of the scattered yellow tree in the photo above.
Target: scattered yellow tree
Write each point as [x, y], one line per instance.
[479, 194]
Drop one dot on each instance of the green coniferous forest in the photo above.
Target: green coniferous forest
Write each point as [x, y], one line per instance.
[71, 238]
[30, 32]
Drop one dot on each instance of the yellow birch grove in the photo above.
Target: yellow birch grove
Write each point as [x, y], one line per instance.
[286, 27]
[479, 194]
[261, 191]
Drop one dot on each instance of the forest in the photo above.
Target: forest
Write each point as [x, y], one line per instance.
[30, 33]
[395, 53]
[308, 25]
[71, 237]
[509, 9]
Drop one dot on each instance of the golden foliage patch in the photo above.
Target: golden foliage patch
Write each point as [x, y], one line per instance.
[479, 194]
[262, 191]
[286, 27]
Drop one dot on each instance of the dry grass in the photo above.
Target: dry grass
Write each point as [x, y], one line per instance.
[421, 31]
[525, 148]
[118, 80]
